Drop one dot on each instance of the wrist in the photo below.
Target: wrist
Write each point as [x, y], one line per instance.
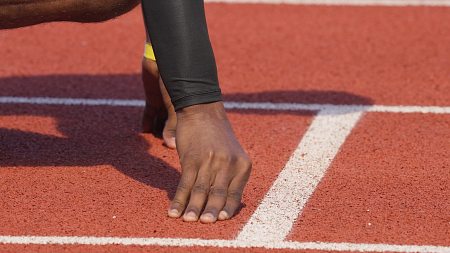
[203, 111]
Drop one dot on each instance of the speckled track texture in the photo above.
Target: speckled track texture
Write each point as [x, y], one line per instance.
[344, 111]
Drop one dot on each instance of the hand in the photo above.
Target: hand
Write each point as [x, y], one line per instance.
[214, 165]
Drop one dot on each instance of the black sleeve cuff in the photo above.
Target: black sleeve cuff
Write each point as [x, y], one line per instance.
[195, 99]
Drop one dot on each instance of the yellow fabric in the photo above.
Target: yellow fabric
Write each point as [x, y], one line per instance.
[148, 53]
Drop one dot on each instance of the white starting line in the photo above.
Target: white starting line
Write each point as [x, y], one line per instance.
[179, 242]
[275, 216]
[231, 105]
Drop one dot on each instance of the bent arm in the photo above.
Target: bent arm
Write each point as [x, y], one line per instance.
[179, 35]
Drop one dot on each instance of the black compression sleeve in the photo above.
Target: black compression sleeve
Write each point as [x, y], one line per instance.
[179, 36]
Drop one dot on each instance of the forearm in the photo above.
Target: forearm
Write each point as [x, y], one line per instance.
[179, 35]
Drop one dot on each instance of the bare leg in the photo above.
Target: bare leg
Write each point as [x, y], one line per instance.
[19, 13]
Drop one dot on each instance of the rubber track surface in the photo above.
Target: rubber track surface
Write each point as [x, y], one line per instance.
[89, 171]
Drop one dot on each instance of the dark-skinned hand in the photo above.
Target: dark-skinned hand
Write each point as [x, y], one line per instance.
[215, 168]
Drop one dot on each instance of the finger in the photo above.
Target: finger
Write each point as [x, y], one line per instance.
[171, 123]
[184, 188]
[198, 197]
[216, 201]
[234, 197]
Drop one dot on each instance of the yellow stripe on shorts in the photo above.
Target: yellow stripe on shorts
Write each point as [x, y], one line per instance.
[148, 52]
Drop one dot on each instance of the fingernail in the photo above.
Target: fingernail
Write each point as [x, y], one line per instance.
[173, 212]
[191, 214]
[209, 216]
[223, 215]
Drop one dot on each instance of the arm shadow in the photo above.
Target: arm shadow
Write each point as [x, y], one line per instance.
[102, 135]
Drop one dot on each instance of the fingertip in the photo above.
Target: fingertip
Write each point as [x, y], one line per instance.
[223, 215]
[170, 142]
[169, 133]
[208, 218]
[190, 216]
[173, 213]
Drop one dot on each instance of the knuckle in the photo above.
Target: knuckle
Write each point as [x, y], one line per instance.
[212, 209]
[177, 203]
[190, 159]
[226, 158]
[211, 154]
[193, 208]
[245, 162]
[188, 164]
[183, 187]
[200, 188]
[217, 191]
[188, 167]
[235, 195]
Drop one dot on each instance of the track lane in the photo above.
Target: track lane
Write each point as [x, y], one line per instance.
[351, 49]
[104, 178]
[388, 184]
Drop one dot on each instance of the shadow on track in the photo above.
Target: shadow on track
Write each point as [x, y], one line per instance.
[105, 135]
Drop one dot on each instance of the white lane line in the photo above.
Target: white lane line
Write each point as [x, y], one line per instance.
[410, 109]
[273, 219]
[71, 101]
[345, 2]
[336, 108]
[230, 105]
[220, 243]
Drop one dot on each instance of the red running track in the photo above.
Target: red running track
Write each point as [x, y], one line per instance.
[88, 171]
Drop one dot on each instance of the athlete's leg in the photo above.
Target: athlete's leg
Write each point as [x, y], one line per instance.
[158, 107]
[19, 13]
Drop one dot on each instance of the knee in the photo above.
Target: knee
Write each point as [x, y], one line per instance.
[19, 13]
[102, 10]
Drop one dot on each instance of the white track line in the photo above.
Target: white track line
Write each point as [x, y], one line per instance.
[220, 243]
[336, 108]
[274, 217]
[345, 2]
[230, 105]
[71, 101]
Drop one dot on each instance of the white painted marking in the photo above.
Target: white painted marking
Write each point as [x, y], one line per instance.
[273, 219]
[220, 243]
[410, 109]
[231, 105]
[275, 106]
[345, 2]
[336, 108]
[71, 101]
